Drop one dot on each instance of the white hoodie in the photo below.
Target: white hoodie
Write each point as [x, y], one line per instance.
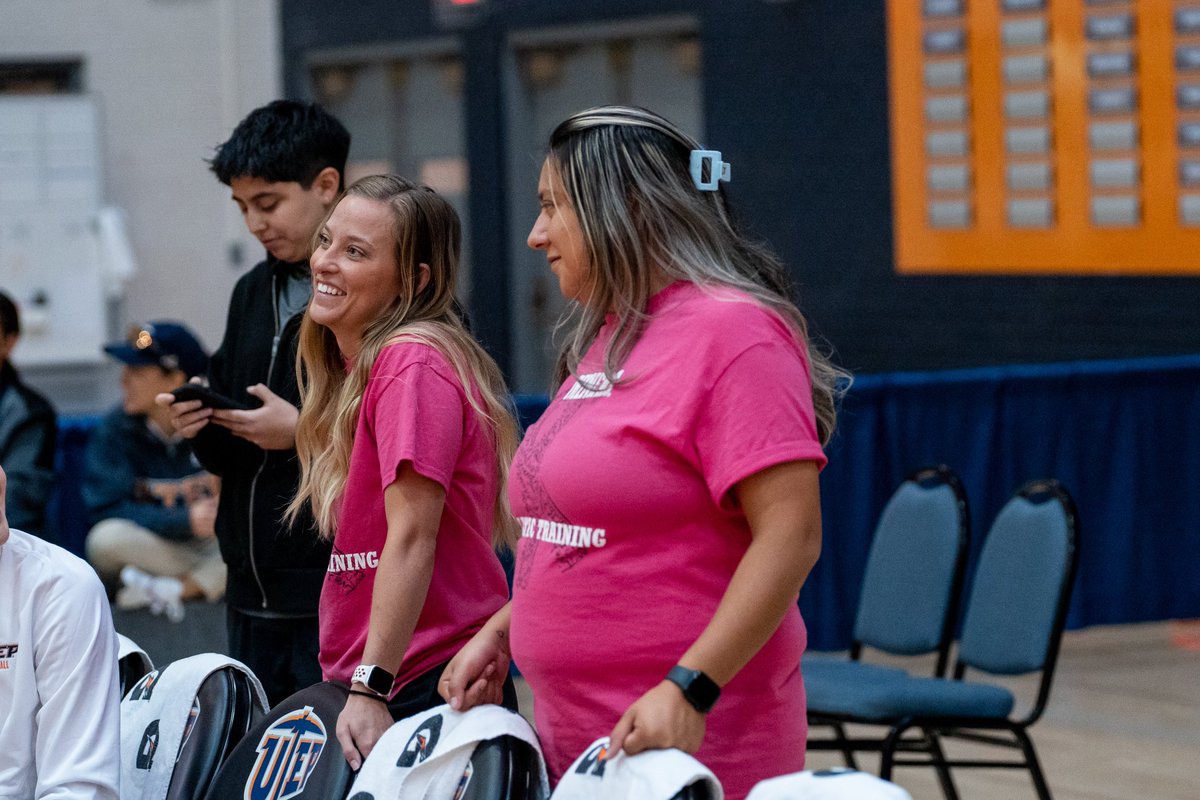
[59, 718]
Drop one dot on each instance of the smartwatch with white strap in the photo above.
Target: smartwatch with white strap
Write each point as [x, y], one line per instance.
[377, 679]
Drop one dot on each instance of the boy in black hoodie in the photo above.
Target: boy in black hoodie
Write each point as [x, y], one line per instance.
[284, 165]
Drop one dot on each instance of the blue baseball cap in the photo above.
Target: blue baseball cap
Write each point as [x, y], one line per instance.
[161, 343]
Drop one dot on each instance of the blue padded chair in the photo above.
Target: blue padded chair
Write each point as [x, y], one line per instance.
[1015, 615]
[908, 605]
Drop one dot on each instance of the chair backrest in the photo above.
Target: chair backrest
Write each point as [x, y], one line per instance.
[1018, 602]
[504, 768]
[132, 663]
[180, 722]
[291, 752]
[915, 566]
[224, 710]
[700, 790]
[486, 753]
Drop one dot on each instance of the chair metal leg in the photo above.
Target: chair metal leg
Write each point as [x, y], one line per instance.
[839, 731]
[1035, 767]
[938, 759]
[887, 752]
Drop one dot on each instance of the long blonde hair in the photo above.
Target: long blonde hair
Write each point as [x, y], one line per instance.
[626, 173]
[425, 230]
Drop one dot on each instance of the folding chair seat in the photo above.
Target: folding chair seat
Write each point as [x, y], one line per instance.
[292, 751]
[1013, 625]
[908, 604]
[180, 723]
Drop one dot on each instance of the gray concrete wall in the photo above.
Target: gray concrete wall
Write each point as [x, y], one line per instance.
[171, 78]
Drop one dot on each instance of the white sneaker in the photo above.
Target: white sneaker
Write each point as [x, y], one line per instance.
[163, 595]
[131, 598]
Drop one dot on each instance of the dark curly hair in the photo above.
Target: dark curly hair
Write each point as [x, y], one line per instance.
[285, 140]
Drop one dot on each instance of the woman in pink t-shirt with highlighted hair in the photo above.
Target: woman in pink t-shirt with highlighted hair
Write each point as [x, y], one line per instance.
[404, 441]
[668, 498]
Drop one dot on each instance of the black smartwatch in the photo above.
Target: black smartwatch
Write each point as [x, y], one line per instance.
[377, 679]
[698, 689]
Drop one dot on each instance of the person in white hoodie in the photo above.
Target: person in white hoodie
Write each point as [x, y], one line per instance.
[60, 724]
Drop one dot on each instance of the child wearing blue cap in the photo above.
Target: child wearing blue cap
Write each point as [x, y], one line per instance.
[152, 506]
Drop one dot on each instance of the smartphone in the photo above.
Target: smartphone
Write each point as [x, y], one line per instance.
[209, 398]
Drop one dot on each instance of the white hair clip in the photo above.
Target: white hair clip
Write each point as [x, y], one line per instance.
[718, 170]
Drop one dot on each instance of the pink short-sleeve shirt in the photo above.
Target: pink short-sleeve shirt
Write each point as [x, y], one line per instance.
[631, 533]
[414, 409]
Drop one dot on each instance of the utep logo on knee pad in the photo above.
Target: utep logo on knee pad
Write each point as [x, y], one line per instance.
[287, 755]
[422, 742]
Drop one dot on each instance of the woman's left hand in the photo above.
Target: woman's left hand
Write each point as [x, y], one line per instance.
[359, 727]
[271, 426]
[659, 719]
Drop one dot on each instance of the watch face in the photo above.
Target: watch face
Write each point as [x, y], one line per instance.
[379, 681]
[699, 689]
[704, 690]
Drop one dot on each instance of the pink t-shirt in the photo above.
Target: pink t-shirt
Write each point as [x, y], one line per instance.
[414, 409]
[631, 534]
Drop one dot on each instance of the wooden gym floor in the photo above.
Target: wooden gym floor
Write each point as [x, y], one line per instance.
[1123, 723]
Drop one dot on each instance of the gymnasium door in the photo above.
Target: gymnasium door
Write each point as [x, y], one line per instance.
[551, 74]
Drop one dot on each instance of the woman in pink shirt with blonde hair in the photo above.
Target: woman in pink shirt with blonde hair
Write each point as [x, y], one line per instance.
[668, 498]
[404, 440]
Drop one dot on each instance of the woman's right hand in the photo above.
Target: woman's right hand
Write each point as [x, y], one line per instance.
[476, 675]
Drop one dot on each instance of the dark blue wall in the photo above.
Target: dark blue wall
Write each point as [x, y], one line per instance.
[796, 95]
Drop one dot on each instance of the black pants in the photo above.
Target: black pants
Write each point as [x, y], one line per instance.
[282, 652]
[421, 694]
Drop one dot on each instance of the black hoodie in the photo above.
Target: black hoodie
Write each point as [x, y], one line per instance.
[274, 568]
[28, 436]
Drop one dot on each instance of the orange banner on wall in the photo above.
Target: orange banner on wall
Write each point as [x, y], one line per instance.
[1045, 136]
